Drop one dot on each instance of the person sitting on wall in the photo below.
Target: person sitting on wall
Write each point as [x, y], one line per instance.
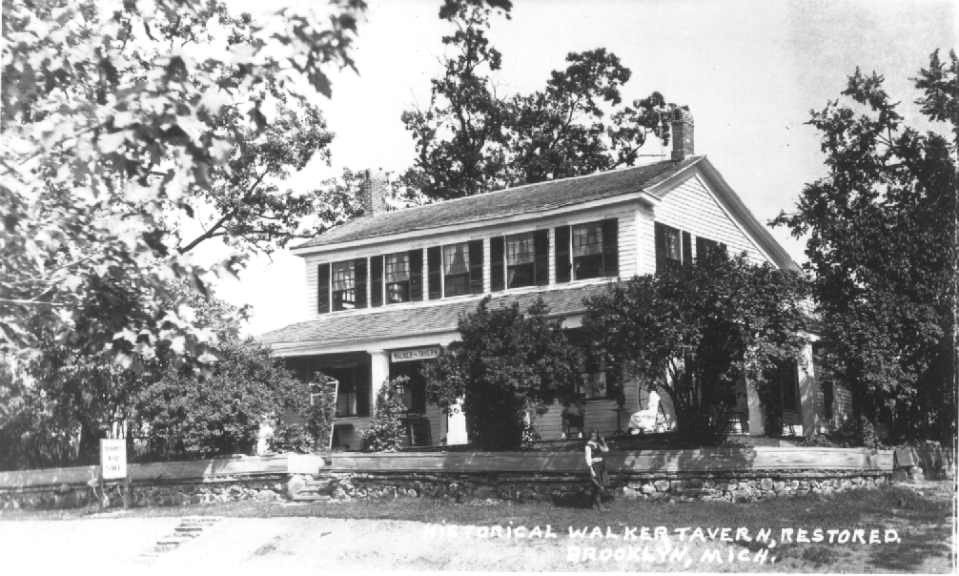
[574, 416]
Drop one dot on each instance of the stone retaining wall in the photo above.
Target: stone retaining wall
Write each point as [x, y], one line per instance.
[570, 488]
[203, 490]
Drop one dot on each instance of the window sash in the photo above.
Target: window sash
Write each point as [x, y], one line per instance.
[344, 276]
[456, 259]
[397, 267]
[674, 244]
[588, 239]
[520, 249]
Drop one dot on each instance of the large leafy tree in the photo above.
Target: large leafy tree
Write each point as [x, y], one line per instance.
[693, 331]
[509, 365]
[119, 120]
[882, 248]
[471, 140]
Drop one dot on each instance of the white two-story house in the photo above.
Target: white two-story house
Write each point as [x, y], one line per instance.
[385, 291]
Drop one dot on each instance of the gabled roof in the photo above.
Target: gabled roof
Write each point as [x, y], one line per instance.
[512, 201]
[355, 327]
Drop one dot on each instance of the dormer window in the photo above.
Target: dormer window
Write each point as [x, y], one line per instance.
[344, 285]
[397, 278]
[456, 269]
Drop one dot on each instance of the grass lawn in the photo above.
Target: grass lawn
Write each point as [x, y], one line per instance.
[923, 515]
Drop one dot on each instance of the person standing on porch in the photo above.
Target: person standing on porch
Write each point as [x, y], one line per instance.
[597, 467]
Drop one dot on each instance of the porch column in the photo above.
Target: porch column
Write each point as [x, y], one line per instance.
[756, 421]
[456, 426]
[379, 373]
[808, 393]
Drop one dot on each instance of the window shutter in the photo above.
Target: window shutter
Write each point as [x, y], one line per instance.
[660, 246]
[323, 288]
[687, 248]
[476, 266]
[722, 249]
[376, 281]
[497, 275]
[359, 269]
[611, 247]
[434, 268]
[416, 275]
[700, 248]
[541, 257]
[564, 266]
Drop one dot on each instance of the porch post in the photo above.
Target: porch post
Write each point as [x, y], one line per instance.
[379, 373]
[756, 421]
[808, 393]
[456, 426]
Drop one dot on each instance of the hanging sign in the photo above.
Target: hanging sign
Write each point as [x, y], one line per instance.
[113, 459]
[417, 354]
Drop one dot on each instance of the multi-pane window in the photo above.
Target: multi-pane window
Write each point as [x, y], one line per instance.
[674, 244]
[708, 249]
[520, 260]
[456, 269]
[592, 385]
[352, 392]
[344, 285]
[588, 250]
[397, 278]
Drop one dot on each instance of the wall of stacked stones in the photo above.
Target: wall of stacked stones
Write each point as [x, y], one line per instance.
[198, 491]
[569, 488]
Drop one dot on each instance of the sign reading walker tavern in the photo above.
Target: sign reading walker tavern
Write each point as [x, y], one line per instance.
[418, 354]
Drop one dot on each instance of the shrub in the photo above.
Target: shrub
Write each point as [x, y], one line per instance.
[856, 432]
[386, 431]
[289, 437]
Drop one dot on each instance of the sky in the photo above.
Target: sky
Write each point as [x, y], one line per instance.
[750, 72]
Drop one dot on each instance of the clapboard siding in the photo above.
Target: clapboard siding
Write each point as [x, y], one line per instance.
[625, 214]
[599, 415]
[693, 208]
[702, 460]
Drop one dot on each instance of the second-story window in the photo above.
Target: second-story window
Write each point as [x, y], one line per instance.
[520, 260]
[672, 246]
[344, 285]
[397, 278]
[588, 250]
[456, 269]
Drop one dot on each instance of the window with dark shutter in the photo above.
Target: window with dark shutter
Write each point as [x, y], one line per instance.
[708, 249]
[587, 250]
[359, 267]
[476, 266]
[416, 275]
[520, 260]
[563, 262]
[344, 285]
[611, 247]
[434, 268]
[456, 269]
[687, 248]
[541, 248]
[669, 246]
[398, 278]
[376, 281]
[497, 278]
[323, 288]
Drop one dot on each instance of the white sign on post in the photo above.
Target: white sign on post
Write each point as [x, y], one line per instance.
[113, 459]
[418, 354]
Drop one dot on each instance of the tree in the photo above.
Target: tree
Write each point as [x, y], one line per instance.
[117, 120]
[693, 331]
[192, 414]
[509, 365]
[882, 250]
[472, 140]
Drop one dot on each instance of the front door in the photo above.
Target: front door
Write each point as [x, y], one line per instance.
[414, 391]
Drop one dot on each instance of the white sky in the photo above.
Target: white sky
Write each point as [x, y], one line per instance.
[750, 72]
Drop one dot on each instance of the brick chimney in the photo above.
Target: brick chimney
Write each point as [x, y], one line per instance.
[682, 134]
[372, 193]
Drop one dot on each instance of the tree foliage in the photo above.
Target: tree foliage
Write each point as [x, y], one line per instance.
[118, 119]
[882, 248]
[471, 140]
[693, 331]
[509, 365]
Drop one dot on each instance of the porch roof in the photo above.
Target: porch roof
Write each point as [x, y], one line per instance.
[337, 330]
